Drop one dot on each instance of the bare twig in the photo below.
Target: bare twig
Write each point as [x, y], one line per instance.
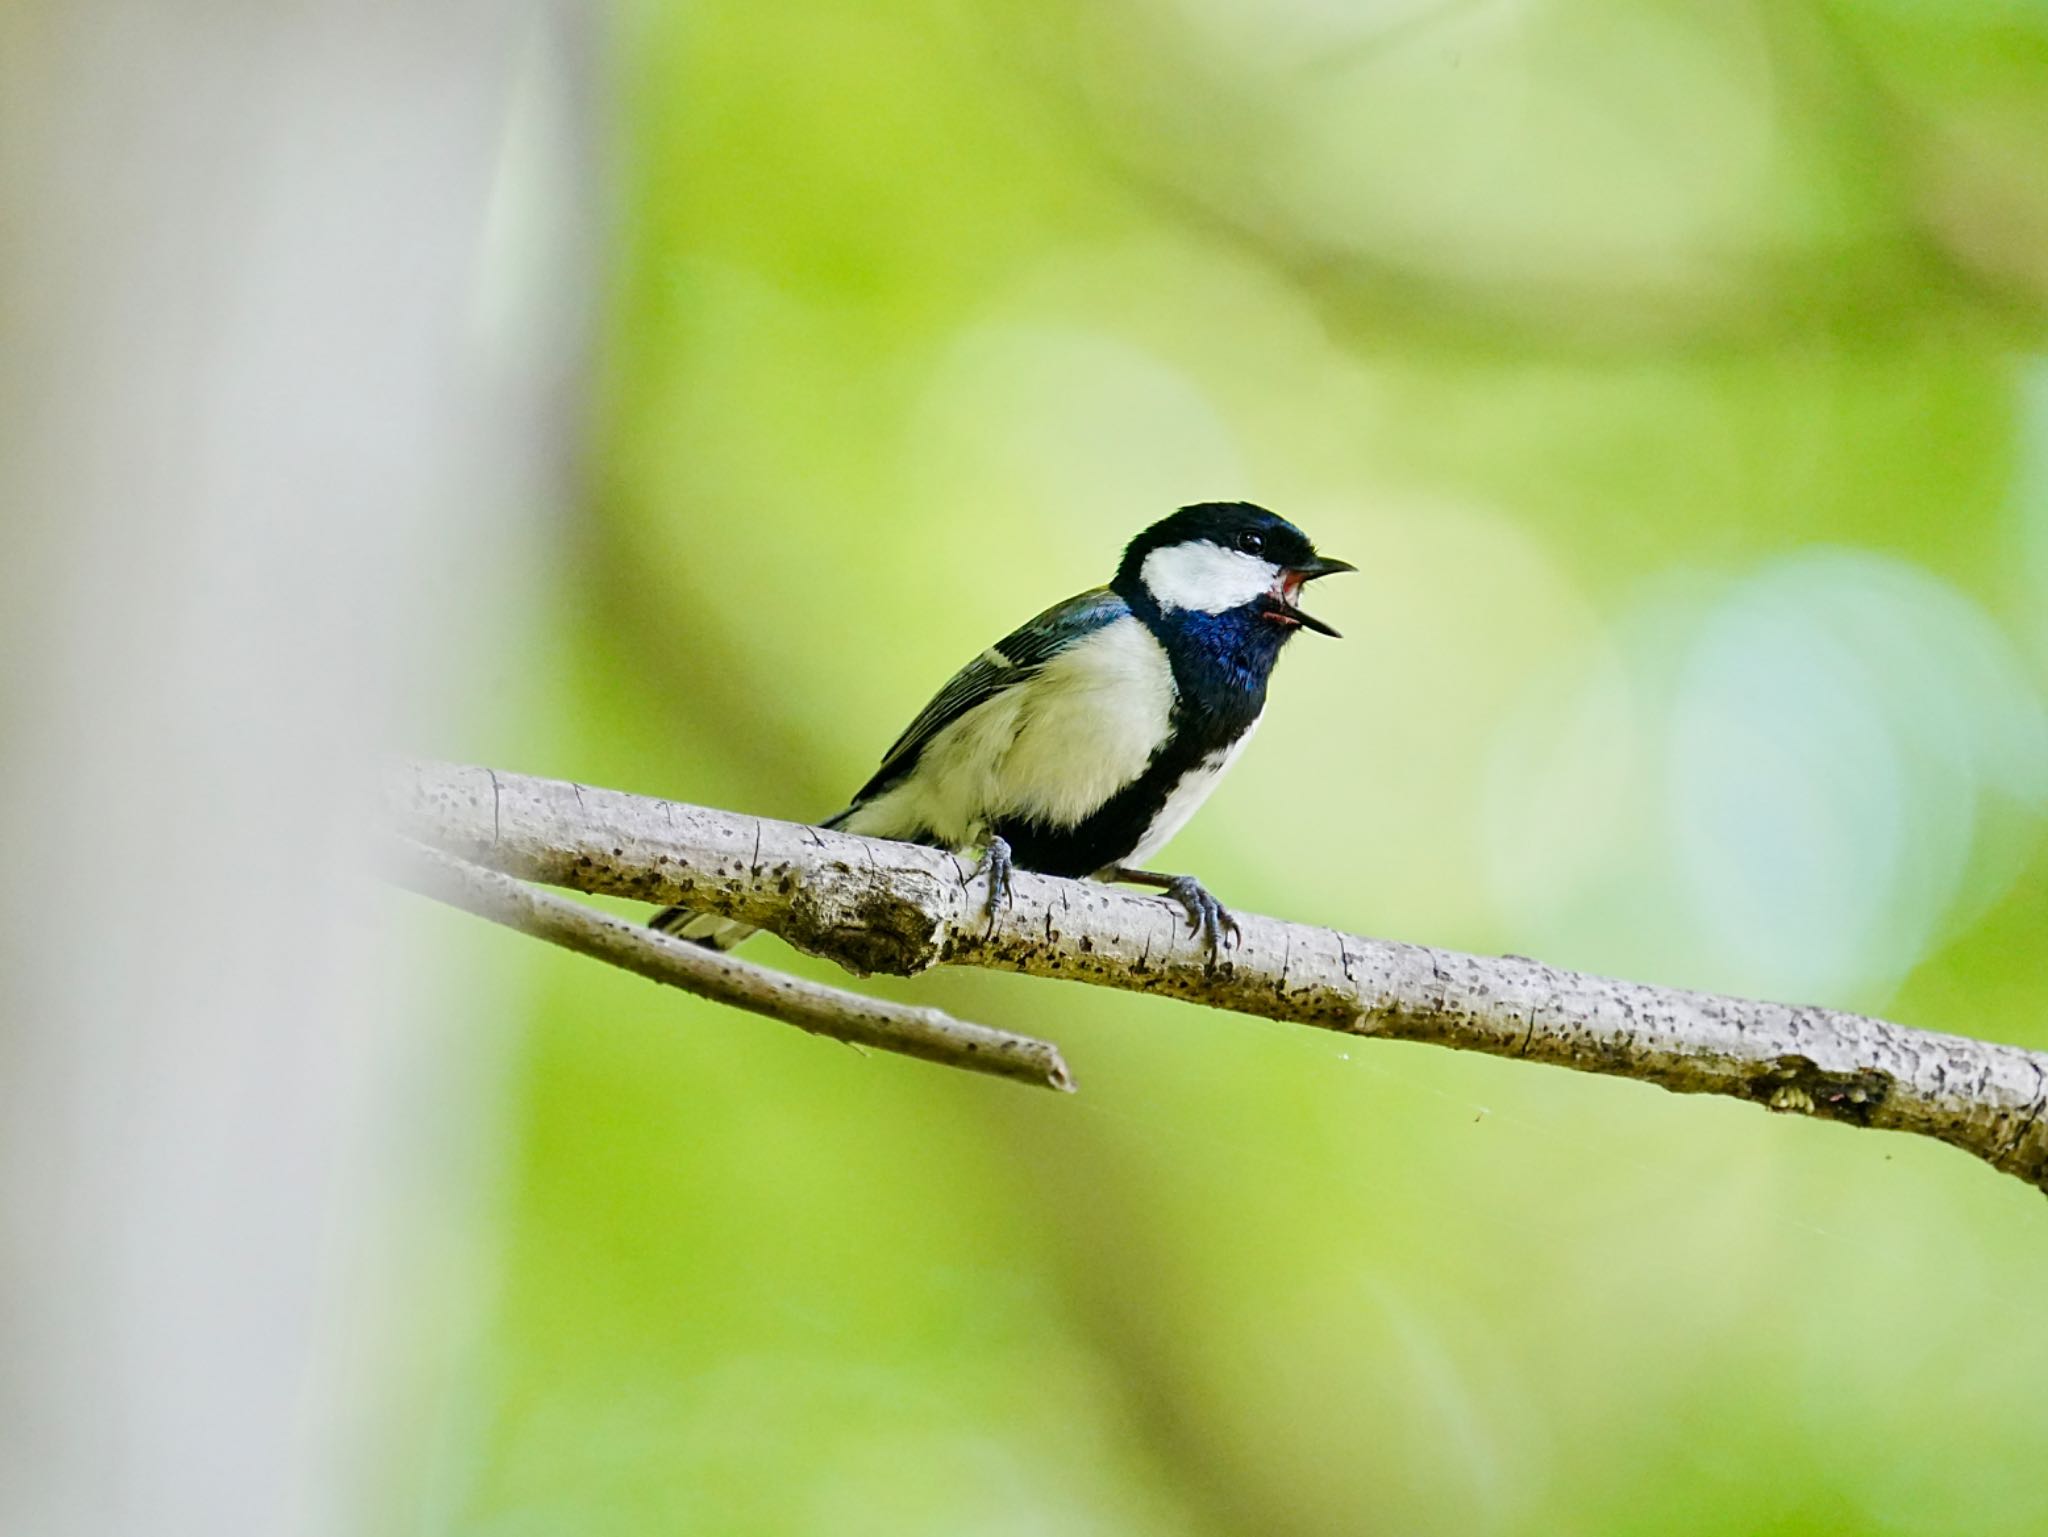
[831, 1011]
[889, 907]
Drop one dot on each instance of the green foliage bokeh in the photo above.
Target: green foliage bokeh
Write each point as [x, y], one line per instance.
[1672, 373]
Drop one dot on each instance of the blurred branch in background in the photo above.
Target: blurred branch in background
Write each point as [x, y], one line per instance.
[930, 1034]
[1343, 152]
[884, 907]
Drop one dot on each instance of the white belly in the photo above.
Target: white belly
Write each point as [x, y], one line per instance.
[1051, 750]
[1187, 798]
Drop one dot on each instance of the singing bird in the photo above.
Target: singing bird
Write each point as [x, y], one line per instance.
[1081, 742]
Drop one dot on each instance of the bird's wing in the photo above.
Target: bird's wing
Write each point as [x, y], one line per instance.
[1016, 657]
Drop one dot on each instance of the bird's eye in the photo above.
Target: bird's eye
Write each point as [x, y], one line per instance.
[1251, 541]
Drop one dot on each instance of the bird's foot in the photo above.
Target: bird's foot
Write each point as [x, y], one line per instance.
[996, 864]
[1206, 916]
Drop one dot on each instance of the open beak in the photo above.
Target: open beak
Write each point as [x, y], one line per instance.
[1287, 606]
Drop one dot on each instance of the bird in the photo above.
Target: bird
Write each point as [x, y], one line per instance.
[1083, 740]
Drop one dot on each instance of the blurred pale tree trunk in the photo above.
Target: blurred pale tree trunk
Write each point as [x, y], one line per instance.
[257, 427]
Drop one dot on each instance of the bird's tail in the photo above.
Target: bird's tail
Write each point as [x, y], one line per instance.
[708, 929]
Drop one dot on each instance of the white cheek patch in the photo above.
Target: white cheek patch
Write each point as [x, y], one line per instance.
[1205, 577]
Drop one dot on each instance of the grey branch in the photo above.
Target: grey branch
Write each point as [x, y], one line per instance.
[874, 906]
[831, 1011]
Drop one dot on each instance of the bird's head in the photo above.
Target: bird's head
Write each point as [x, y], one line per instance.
[1225, 558]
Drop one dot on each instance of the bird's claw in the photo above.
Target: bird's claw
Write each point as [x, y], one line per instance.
[996, 864]
[1206, 916]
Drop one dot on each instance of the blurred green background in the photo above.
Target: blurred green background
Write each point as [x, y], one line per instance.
[1672, 372]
